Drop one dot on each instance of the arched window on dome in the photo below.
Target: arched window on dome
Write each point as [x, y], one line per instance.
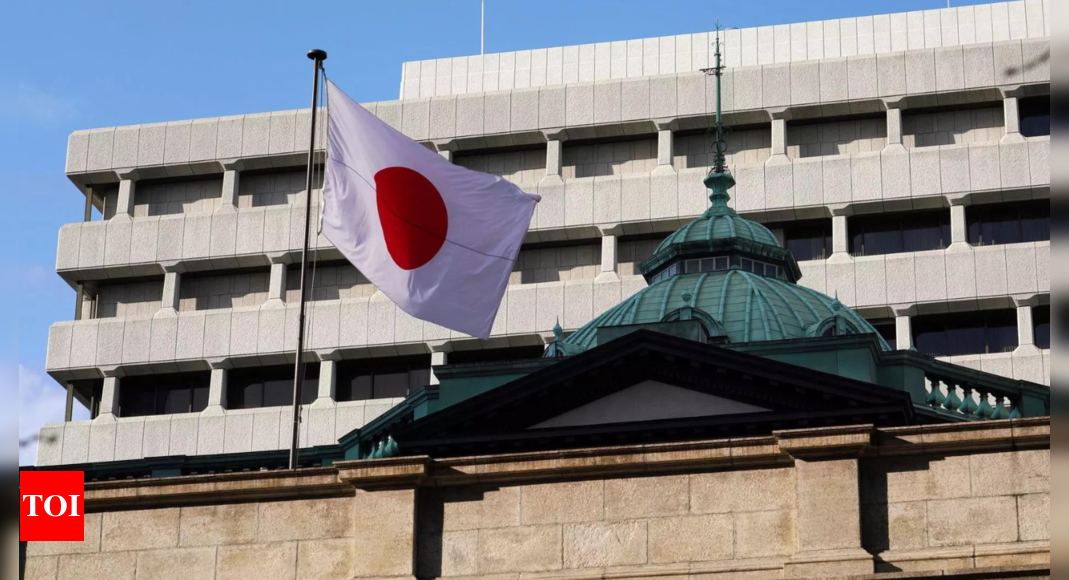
[714, 331]
[835, 325]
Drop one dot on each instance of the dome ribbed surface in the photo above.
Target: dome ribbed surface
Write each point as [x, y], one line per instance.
[720, 224]
[751, 308]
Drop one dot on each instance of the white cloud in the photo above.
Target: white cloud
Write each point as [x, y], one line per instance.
[37, 107]
[41, 401]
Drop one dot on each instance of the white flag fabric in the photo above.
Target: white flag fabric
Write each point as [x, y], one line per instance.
[436, 238]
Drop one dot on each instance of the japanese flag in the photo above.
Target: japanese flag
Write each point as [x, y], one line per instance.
[436, 238]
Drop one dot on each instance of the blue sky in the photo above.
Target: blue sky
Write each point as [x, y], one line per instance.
[102, 64]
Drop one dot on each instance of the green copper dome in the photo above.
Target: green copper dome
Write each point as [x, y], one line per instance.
[720, 222]
[741, 306]
[733, 276]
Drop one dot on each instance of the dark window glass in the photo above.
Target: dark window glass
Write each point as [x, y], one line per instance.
[989, 331]
[888, 330]
[1009, 223]
[1035, 116]
[877, 235]
[1041, 323]
[807, 240]
[517, 353]
[258, 387]
[365, 379]
[169, 394]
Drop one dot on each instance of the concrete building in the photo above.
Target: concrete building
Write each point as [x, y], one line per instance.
[903, 158]
[670, 390]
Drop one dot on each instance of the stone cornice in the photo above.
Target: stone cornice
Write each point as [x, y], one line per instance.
[782, 448]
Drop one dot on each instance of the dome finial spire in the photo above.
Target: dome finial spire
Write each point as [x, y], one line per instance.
[719, 179]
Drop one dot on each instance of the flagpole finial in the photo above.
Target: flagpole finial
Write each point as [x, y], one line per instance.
[317, 55]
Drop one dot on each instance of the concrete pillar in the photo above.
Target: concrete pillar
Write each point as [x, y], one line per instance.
[840, 235]
[959, 229]
[554, 157]
[216, 392]
[665, 147]
[903, 332]
[779, 138]
[172, 287]
[894, 127]
[609, 245]
[276, 286]
[231, 187]
[1012, 119]
[1026, 334]
[446, 149]
[438, 358]
[124, 206]
[328, 383]
[109, 398]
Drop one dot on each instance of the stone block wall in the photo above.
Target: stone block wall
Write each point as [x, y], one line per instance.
[286, 540]
[607, 523]
[956, 511]
[818, 503]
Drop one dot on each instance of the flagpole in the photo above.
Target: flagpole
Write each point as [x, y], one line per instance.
[317, 56]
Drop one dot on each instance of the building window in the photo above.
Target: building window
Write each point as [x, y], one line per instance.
[1035, 116]
[888, 329]
[761, 268]
[964, 333]
[877, 235]
[1041, 326]
[146, 395]
[1009, 223]
[706, 265]
[260, 387]
[807, 240]
[361, 380]
[494, 355]
[89, 392]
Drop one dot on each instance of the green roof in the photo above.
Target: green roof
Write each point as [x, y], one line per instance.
[747, 307]
[731, 302]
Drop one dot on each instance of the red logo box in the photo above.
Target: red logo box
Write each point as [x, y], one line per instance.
[52, 506]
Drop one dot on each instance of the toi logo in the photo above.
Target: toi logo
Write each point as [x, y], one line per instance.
[51, 506]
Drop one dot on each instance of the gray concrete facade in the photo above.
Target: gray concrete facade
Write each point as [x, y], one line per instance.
[832, 124]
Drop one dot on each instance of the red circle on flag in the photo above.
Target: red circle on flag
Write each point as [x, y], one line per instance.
[413, 216]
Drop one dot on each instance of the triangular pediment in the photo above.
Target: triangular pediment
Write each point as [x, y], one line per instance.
[645, 387]
[649, 401]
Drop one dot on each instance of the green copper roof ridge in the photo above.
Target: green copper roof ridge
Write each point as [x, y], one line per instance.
[709, 228]
[854, 317]
[731, 226]
[749, 226]
[761, 300]
[749, 309]
[667, 296]
[774, 289]
[724, 296]
[698, 288]
[775, 311]
[794, 290]
[686, 230]
[634, 308]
